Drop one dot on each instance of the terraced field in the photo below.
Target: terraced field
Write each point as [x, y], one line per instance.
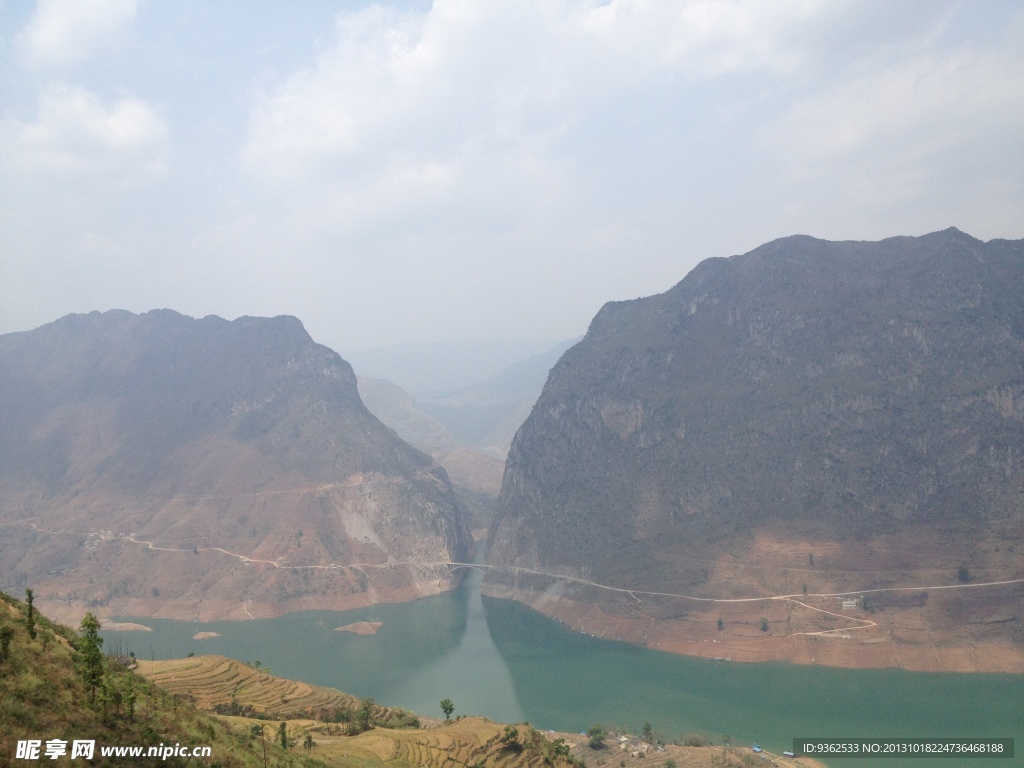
[475, 742]
[217, 680]
[469, 741]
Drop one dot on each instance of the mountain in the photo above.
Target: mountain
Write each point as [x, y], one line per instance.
[425, 368]
[489, 414]
[158, 464]
[474, 472]
[469, 429]
[808, 418]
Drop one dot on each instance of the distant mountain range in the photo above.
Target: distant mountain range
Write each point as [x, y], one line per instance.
[442, 367]
[158, 464]
[490, 413]
[469, 429]
[475, 472]
[810, 416]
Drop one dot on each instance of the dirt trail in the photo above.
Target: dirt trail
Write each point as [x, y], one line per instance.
[895, 640]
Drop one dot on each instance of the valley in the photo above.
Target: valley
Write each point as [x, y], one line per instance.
[502, 660]
[726, 470]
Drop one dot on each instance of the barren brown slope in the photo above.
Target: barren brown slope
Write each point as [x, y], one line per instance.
[835, 417]
[160, 465]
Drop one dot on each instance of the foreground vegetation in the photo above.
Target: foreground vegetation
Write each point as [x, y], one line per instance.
[58, 684]
[50, 689]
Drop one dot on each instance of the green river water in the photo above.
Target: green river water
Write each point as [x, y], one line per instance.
[503, 660]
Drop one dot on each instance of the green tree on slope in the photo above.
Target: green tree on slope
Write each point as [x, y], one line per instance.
[90, 657]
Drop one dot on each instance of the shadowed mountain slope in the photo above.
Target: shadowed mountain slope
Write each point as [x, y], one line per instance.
[160, 464]
[862, 400]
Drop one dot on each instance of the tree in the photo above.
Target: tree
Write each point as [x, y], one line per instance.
[364, 715]
[130, 695]
[764, 624]
[963, 574]
[596, 736]
[30, 615]
[447, 707]
[648, 731]
[282, 735]
[309, 743]
[90, 657]
[670, 763]
[6, 635]
[721, 624]
[510, 739]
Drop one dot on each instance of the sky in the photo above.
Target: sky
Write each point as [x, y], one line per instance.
[474, 169]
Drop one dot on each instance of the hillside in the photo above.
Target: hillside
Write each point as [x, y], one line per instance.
[805, 419]
[327, 716]
[474, 472]
[157, 464]
[238, 712]
[467, 429]
[43, 697]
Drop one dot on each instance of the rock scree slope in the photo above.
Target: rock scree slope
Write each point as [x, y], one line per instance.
[808, 418]
[156, 464]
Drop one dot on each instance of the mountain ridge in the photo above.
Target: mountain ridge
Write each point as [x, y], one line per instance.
[241, 438]
[798, 402]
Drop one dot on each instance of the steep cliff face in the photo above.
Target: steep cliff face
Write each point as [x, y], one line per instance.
[239, 451]
[807, 391]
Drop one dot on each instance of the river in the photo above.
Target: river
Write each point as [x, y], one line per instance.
[503, 660]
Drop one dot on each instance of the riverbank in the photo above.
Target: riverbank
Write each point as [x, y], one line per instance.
[813, 630]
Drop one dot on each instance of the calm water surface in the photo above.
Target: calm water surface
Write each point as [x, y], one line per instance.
[501, 659]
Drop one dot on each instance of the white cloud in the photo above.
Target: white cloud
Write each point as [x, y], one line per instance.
[524, 143]
[464, 112]
[931, 133]
[913, 108]
[502, 73]
[516, 162]
[74, 133]
[64, 32]
[702, 38]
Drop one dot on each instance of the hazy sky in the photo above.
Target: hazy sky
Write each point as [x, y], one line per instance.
[479, 168]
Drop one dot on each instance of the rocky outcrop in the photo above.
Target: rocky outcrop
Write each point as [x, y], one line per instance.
[809, 392]
[160, 464]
